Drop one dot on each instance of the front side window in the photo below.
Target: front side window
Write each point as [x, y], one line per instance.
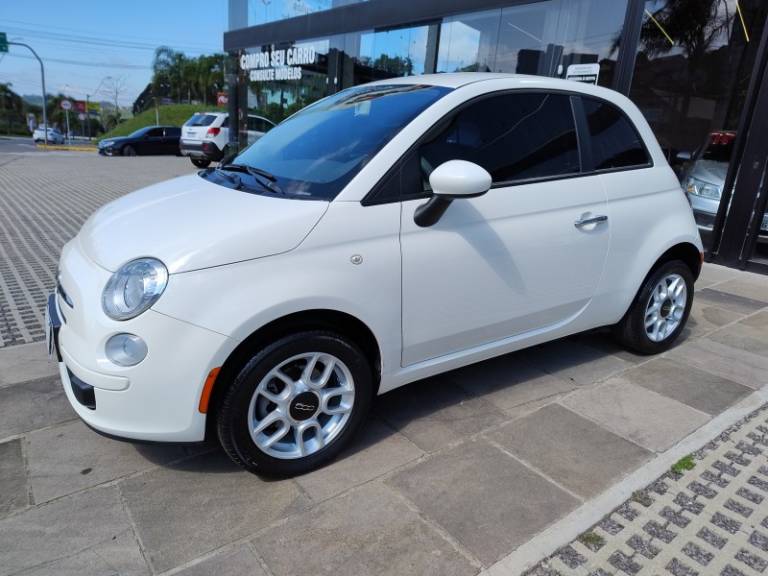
[316, 152]
[513, 136]
[615, 142]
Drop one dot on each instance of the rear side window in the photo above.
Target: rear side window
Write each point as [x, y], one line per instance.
[201, 120]
[615, 141]
[173, 132]
[513, 136]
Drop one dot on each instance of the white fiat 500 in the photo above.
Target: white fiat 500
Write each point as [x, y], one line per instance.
[382, 235]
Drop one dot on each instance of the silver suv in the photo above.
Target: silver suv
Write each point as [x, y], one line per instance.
[204, 137]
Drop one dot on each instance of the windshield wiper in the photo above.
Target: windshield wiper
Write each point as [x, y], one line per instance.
[257, 173]
[234, 179]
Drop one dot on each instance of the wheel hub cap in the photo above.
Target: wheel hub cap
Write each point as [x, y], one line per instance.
[304, 406]
[666, 307]
[301, 405]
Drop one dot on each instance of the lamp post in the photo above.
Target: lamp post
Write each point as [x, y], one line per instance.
[42, 77]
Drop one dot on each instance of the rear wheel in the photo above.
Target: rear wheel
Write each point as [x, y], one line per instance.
[660, 310]
[200, 162]
[129, 151]
[295, 404]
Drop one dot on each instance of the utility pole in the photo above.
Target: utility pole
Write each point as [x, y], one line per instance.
[88, 117]
[42, 76]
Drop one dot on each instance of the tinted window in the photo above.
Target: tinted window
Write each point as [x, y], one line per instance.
[318, 150]
[225, 123]
[513, 136]
[173, 132]
[155, 133]
[615, 142]
[201, 120]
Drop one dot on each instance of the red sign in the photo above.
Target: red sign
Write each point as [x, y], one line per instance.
[222, 99]
[79, 106]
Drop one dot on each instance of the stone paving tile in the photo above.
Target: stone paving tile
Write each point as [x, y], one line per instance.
[570, 449]
[752, 287]
[576, 362]
[713, 274]
[25, 362]
[742, 337]
[368, 531]
[645, 417]
[31, 405]
[201, 504]
[510, 383]
[732, 302]
[71, 457]
[705, 318]
[694, 528]
[726, 361]
[377, 450]
[696, 388]
[119, 555]
[61, 529]
[240, 561]
[13, 478]
[42, 206]
[466, 490]
[434, 413]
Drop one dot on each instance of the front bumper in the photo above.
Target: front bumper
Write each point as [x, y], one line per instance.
[156, 400]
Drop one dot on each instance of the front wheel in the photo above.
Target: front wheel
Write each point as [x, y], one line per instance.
[200, 162]
[295, 404]
[660, 310]
[129, 151]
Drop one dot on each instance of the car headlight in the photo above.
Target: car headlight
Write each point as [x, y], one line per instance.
[134, 288]
[703, 189]
[107, 144]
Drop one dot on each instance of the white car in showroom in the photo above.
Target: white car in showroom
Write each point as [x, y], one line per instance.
[384, 234]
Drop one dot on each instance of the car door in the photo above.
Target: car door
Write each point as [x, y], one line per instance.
[171, 140]
[152, 143]
[527, 255]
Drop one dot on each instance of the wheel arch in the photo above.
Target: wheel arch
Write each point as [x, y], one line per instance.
[336, 321]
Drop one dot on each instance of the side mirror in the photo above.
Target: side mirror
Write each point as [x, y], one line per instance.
[451, 180]
[683, 156]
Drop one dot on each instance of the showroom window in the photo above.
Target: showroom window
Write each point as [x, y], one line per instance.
[513, 136]
[615, 142]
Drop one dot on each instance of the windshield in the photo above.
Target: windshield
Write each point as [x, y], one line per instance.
[316, 152]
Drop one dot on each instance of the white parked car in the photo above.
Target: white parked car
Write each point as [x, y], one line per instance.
[205, 136]
[54, 136]
[267, 301]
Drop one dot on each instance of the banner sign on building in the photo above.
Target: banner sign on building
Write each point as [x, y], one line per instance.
[284, 64]
[586, 73]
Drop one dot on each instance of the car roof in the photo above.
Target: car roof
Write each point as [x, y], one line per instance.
[459, 79]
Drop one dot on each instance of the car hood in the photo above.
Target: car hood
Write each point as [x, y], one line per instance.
[115, 140]
[710, 171]
[189, 223]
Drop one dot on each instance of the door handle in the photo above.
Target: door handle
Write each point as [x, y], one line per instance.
[590, 220]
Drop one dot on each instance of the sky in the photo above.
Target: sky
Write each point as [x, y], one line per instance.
[81, 42]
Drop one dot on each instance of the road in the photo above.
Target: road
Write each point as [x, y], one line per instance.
[10, 145]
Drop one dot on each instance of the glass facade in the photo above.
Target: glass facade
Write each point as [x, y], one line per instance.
[688, 64]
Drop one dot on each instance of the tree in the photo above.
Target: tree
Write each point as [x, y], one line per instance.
[114, 87]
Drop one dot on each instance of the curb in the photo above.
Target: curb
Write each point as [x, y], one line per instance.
[564, 531]
[66, 148]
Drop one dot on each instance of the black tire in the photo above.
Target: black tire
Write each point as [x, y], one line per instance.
[200, 162]
[631, 331]
[232, 418]
[128, 150]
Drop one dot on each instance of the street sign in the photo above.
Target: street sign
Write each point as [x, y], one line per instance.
[3, 42]
[66, 105]
[81, 116]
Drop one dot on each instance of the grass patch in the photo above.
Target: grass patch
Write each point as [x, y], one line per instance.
[685, 463]
[170, 115]
[592, 540]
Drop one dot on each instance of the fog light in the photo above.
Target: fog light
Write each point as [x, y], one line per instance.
[126, 349]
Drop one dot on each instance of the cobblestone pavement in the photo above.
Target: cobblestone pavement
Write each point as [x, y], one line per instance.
[708, 519]
[44, 199]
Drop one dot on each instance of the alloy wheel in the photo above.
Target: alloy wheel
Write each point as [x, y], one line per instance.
[666, 307]
[301, 405]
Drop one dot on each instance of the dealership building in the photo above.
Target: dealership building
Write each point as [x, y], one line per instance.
[696, 69]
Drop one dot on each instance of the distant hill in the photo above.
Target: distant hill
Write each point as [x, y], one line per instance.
[34, 99]
[170, 115]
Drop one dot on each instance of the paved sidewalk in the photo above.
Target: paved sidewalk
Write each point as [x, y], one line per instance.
[707, 515]
[44, 199]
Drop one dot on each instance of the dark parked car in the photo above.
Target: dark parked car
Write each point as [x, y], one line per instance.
[147, 140]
